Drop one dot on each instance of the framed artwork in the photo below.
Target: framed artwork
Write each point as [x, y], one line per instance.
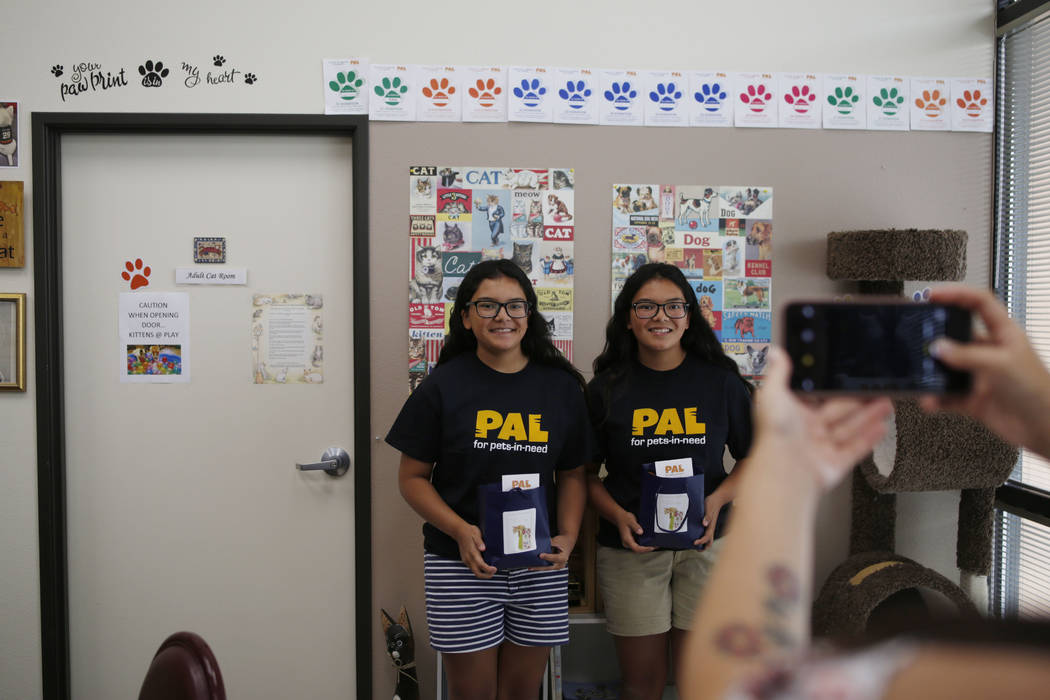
[12, 342]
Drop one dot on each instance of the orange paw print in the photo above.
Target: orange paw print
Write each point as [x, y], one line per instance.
[972, 103]
[485, 91]
[439, 91]
[931, 103]
[141, 274]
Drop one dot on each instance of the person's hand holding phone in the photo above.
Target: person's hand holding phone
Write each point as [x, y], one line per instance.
[1011, 386]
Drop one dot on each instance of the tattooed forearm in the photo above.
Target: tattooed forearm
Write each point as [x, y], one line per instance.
[781, 605]
[774, 631]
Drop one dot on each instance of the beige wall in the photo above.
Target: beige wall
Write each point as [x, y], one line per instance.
[823, 181]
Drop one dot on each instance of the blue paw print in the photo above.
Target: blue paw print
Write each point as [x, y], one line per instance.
[530, 92]
[711, 96]
[575, 93]
[665, 96]
[621, 95]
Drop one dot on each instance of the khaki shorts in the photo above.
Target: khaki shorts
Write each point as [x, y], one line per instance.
[651, 592]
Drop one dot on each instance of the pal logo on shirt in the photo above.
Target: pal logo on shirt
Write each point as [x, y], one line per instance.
[668, 422]
[512, 426]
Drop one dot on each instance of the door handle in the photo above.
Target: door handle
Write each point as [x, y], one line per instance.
[334, 462]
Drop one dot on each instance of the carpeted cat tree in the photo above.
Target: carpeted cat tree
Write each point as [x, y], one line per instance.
[921, 452]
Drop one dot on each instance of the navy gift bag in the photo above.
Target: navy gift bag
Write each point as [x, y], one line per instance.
[671, 511]
[514, 526]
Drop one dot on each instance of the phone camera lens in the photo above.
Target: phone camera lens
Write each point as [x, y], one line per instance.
[807, 335]
[807, 311]
[807, 384]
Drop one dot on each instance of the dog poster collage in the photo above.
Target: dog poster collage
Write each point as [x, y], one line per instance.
[459, 216]
[722, 239]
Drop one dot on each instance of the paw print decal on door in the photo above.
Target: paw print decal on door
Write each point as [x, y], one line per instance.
[136, 273]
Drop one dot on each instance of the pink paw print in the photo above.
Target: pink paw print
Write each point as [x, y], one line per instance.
[757, 98]
[141, 274]
[801, 98]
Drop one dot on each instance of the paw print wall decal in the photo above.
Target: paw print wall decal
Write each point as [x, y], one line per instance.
[250, 79]
[756, 97]
[485, 92]
[136, 274]
[972, 103]
[217, 60]
[621, 95]
[57, 70]
[931, 103]
[391, 91]
[530, 92]
[711, 96]
[666, 96]
[439, 91]
[889, 101]
[575, 93]
[153, 74]
[347, 84]
[800, 98]
[843, 100]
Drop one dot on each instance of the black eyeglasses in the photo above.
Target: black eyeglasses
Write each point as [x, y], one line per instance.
[672, 309]
[517, 308]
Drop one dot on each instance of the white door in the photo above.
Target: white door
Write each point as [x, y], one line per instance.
[185, 508]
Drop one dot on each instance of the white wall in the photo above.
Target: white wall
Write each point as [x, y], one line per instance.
[283, 43]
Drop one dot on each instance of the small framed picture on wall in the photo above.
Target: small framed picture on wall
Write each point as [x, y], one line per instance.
[12, 342]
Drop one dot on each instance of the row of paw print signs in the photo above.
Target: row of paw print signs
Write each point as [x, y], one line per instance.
[722, 239]
[655, 98]
[459, 216]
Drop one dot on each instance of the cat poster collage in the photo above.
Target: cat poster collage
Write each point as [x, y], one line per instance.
[722, 239]
[459, 216]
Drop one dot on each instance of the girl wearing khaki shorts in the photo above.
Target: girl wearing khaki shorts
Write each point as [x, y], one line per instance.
[663, 390]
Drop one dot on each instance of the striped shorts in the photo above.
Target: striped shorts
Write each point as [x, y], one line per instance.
[466, 613]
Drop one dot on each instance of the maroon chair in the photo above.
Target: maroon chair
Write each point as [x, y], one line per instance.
[184, 668]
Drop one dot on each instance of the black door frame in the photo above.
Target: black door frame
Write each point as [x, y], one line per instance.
[48, 129]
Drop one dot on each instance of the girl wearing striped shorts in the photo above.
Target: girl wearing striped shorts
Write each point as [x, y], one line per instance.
[501, 401]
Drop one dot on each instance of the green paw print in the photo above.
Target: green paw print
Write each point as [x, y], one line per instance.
[391, 91]
[346, 84]
[843, 100]
[889, 101]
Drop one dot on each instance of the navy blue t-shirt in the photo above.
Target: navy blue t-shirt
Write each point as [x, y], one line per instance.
[476, 424]
[694, 410]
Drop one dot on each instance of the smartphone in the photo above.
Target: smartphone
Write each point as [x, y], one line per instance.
[873, 347]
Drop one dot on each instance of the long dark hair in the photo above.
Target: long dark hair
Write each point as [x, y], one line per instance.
[621, 347]
[535, 344]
